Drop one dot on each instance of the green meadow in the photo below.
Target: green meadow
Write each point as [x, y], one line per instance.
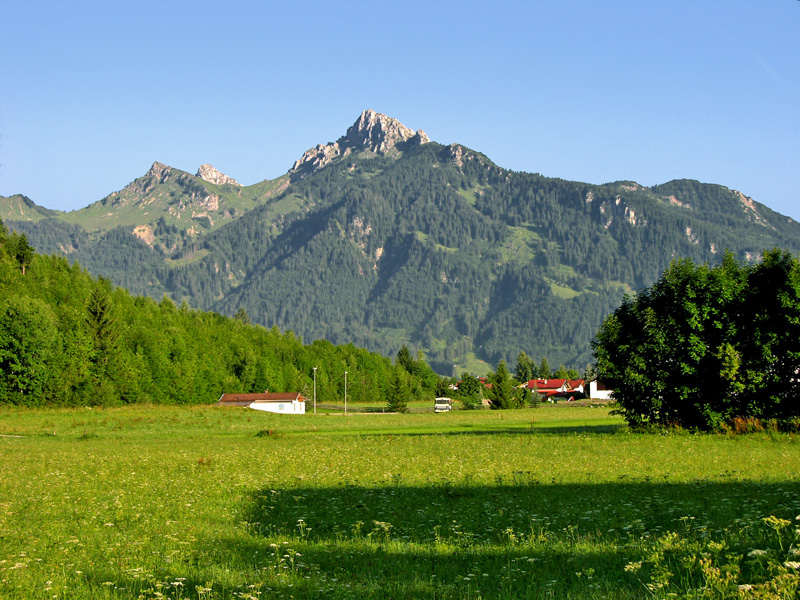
[555, 502]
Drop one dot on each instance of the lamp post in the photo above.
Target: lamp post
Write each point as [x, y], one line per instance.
[315, 390]
[345, 392]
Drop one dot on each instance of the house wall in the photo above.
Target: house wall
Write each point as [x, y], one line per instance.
[596, 394]
[288, 407]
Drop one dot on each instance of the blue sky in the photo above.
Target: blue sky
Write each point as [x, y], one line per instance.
[92, 93]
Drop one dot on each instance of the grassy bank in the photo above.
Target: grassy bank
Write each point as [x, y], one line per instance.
[229, 503]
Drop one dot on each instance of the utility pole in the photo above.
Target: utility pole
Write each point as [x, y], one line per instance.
[345, 392]
[315, 390]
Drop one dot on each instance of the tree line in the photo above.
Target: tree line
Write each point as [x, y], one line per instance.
[70, 339]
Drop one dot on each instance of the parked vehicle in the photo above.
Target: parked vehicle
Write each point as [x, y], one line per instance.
[442, 405]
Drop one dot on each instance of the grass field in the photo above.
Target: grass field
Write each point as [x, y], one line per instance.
[555, 502]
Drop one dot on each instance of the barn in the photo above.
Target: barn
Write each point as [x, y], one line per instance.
[292, 403]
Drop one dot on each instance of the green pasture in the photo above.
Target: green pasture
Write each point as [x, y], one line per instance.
[554, 502]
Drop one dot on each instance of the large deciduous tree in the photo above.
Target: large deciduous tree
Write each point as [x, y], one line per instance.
[769, 354]
[705, 345]
[29, 343]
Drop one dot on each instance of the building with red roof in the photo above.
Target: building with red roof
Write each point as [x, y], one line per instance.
[292, 403]
[557, 388]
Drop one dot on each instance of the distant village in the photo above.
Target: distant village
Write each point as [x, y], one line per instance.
[548, 390]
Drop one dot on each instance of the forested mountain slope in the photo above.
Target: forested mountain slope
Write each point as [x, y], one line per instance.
[67, 338]
[384, 238]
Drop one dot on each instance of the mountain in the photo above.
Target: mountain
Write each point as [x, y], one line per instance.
[385, 238]
[166, 208]
[70, 339]
[373, 133]
[22, 208]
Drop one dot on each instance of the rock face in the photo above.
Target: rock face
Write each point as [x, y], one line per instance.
[372, 132]
[210, 174]
[158, 173]
[378, 133]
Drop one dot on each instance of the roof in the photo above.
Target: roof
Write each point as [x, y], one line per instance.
[248, 399]
[544, 386]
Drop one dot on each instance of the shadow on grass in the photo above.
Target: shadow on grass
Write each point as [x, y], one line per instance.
[580, 429]
[518, 538]
[539, 428]
[499, 430]
[456, 429]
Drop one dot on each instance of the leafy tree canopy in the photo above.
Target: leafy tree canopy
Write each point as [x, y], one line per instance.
[707, 345]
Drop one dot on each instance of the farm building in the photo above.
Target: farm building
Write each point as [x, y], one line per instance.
[292, 403]
[599, 391]
[557, 388]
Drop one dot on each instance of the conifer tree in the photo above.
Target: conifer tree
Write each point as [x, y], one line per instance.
[525, 368]
[501, 394]
[544, 369]
[22, 251]
[404, 359]
[399, 392]
[242, 316]
[105, 333]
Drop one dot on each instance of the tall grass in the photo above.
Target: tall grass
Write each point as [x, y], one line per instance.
[557, 502]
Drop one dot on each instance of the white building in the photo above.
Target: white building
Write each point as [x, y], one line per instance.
[292, 403]
[599, 391]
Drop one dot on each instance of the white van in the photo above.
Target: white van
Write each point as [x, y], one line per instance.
[442, 405]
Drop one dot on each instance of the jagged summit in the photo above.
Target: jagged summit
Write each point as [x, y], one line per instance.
[157, 174]
[378, 133]
[158, 170]
[160, 173]
[372, 132]
[210, 174]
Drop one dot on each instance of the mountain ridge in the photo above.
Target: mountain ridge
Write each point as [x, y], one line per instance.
[390, 238]
[372, 132]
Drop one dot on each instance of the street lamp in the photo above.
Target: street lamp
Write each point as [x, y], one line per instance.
[315, 390]
[345, 392]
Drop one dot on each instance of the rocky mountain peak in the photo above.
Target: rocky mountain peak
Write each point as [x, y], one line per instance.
[210, 174]
[372, 132]
[158, 170]
[378, 133]
[158, 173]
